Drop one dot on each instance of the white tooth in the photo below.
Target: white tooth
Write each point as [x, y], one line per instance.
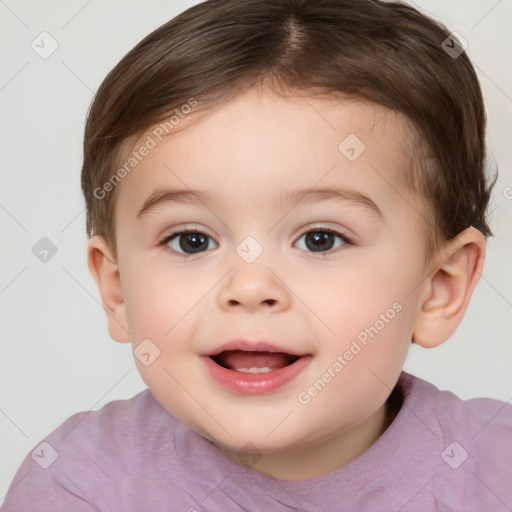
[253, 370]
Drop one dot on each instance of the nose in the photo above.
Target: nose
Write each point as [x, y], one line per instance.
[252, 287]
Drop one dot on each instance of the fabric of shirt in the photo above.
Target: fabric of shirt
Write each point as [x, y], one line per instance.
[440, 453]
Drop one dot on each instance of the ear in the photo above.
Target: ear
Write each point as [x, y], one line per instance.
[448, 291]
[105, 272]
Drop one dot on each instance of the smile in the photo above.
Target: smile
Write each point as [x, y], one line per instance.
[254, 372]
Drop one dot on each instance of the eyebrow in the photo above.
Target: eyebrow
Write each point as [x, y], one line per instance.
[309, 196]
[288, 198]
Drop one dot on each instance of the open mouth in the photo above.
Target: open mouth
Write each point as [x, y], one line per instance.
[253, 362]
[255, 372]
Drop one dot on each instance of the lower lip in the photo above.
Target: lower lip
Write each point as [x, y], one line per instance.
[255, 383]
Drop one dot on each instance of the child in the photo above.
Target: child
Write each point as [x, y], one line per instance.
[281, 197]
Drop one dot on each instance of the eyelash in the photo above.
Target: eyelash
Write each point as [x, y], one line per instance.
[167, 239]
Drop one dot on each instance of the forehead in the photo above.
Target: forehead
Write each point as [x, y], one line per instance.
[261, 145]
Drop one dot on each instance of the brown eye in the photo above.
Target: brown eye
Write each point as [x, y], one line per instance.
[189, 242]
[322, 240]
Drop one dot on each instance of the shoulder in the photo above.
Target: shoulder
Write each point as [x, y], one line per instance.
[97, 459]
[107, 420]
[120, 428]
[452, 416]
[471, 440]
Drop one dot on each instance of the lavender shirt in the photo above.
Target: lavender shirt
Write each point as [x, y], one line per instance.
[440, 453]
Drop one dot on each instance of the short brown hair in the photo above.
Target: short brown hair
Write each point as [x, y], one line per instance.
[384, 52]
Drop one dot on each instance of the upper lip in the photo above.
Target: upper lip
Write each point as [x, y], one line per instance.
[253, 346]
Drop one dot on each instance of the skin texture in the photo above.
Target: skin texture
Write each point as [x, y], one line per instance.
[249, 152]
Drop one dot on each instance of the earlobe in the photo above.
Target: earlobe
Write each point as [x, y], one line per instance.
[105, 272]
[449, 288]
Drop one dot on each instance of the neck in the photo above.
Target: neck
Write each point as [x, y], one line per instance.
[329, 455]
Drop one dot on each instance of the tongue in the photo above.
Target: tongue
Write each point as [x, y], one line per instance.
[235, 359]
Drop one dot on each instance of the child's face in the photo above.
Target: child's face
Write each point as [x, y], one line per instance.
[245, 158]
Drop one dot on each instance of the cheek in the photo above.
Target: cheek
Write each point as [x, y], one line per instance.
[367, 312]
[157, 298]
[348, 300]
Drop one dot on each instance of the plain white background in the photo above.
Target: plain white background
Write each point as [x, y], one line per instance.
[56, 355]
